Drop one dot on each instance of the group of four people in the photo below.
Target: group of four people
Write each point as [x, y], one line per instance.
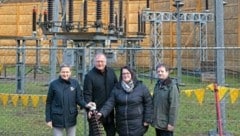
[126, 104]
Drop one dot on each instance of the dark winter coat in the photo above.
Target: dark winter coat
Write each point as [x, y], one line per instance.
[132, 109]
[165, 104]
[62, 100]
[98, 86]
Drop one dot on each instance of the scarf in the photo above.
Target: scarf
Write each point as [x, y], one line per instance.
[128, 87]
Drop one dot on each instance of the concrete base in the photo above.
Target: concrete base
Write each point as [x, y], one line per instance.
[214, 133]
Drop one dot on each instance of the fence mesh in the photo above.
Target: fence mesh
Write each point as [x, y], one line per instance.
[23, 114]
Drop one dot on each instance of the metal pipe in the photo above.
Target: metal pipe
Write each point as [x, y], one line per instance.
[178, 5]
[218, 110]
[219, 57]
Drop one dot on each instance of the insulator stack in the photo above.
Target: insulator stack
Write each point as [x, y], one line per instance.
[34, 17]
[120, 14]
[148, 4]
[70, 11]
[143, 27]
[111, 11]
[206, 4]
[85, 12]
[45, 16]
[125, 25]
[139, 22]
[99, 13]
[99, 10]
[116, 20]
[96, 125]
[50, 10]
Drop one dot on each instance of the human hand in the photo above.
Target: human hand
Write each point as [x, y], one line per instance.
[145, 124]
[170, 127]
[91, 105]
[49, 124]
[90, 114]
[99, 115]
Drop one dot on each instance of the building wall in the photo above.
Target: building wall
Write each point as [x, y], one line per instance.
[16, 20]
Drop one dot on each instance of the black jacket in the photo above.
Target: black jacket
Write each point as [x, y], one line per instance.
[98, 86]
[62, 100]
[132, 109]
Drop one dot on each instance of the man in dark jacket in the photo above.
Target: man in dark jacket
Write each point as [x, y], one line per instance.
[98, 84]
[63, 96]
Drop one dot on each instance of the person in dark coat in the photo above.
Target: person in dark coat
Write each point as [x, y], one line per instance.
[165, 103]
[63, 96]
[98, 85]
[133, 105]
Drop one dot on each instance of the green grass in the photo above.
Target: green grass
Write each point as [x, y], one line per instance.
[194, 119]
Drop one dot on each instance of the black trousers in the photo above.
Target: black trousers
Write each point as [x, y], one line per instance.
[108, 124]
[160, 132]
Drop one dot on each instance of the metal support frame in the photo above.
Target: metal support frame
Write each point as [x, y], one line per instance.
[156, 42]
[131, 54]
[37, 67]
[80, 61]
[200, 40]
[20, 65]
[219, 57]
[152, 16]
[157, 18]
[203, 41]
[53, 50]
[179, 35]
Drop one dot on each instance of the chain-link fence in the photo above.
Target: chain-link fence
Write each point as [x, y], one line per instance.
[26, 73]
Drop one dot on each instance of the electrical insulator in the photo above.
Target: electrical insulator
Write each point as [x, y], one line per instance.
[120, 14]
[45, 16]
[50, 10]
[70, 11]
[85, 12]
[111, 13]
[206, 5]
[34, 17]
[139, 22]
[116, 20]
[98, 22]
[148, 4]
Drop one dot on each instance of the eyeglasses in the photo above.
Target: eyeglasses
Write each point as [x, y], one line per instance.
[127, 73]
